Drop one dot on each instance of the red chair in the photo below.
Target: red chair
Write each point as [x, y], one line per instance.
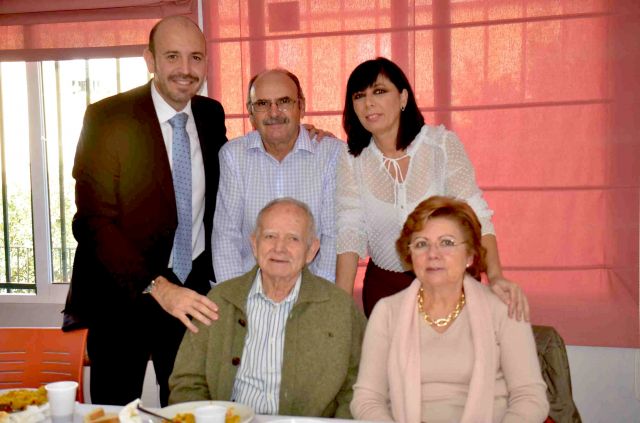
[32, 357]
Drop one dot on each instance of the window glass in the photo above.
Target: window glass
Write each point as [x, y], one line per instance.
[63, 91]
[16, 235]
[68, 86]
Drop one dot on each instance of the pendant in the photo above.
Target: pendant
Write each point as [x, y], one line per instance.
[441, 322]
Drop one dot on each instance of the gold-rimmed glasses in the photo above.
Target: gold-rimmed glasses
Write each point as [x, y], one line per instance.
[444, 245]
[284, 104]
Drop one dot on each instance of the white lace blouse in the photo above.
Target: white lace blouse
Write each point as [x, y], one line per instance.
[372, 205]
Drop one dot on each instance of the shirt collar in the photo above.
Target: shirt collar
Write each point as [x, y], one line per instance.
[163, 109]
[258, 292]
[410, 150]
[303, 142]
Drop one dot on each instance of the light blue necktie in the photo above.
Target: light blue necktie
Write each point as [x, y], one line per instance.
[181, 155]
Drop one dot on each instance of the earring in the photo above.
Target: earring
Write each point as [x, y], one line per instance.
[402, 108]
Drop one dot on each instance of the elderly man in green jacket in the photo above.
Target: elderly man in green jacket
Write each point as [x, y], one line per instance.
[287, 342]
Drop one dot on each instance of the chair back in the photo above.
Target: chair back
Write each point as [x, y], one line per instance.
[32, 357]
[554, 364]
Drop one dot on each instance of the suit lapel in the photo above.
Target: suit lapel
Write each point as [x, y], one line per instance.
[202, 127]
[159, 161]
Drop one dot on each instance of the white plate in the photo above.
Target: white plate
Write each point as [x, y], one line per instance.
[246, 413]
[32, 412]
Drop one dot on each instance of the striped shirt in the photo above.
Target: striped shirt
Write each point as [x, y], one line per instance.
[250, 178]
[257, 382]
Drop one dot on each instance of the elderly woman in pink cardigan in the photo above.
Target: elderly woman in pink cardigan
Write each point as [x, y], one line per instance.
[444, 349]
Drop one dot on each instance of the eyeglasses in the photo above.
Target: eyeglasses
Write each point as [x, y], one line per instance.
[283, 104]
[444, 245]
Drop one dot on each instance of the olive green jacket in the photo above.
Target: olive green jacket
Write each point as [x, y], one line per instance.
[322, 345]
[554, 364]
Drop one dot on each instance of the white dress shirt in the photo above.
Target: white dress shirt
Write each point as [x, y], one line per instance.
[250, 178]
[257, 382]
[166, 112]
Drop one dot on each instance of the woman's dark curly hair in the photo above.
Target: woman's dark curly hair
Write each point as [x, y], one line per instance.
[364, 76]
[456, 210]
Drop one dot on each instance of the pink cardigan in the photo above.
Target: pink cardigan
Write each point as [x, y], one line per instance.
[403, 360]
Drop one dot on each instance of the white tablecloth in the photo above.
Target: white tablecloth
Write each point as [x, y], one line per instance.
[262, 419]
[82, 409]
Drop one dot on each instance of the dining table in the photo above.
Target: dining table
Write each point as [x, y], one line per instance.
[82, 409]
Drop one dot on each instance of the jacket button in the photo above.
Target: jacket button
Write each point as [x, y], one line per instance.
[235, 361]
[242, 322]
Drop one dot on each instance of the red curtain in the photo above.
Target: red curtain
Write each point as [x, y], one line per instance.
[33, 30]
[543, 93]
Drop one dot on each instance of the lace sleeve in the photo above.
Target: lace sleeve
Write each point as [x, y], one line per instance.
[351, 230]
[461, 181]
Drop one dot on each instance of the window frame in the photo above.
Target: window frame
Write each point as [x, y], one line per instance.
[46, 290]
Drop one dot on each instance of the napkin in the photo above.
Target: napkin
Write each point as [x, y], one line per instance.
[31, 414]
[130, 414]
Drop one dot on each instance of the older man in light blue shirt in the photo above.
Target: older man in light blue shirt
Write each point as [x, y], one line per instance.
[276, 160]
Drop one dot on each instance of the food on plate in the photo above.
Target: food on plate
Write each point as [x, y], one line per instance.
[19, 399]
[99, 416]
[94, 414]
[231, 417]
[184, 418]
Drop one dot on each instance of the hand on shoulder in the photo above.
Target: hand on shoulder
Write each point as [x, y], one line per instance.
[183, 303]
[511, 294]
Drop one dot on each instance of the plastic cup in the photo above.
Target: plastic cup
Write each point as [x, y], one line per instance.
[210, 414]
[62, 397]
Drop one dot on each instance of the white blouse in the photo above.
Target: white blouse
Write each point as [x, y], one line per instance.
[372, 206]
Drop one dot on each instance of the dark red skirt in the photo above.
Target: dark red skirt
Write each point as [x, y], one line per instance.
[379, 283]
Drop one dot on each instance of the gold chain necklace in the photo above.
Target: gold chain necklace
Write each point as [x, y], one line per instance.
[445, 320]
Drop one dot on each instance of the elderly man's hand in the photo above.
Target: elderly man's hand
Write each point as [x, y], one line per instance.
[317, 133]
[183, 302]
[512, 295]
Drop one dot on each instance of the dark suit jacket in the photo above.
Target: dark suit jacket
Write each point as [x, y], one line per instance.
[126, 210]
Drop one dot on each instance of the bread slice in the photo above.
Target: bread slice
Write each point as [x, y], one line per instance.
[99, 416]
[107, 418]
[94, 414]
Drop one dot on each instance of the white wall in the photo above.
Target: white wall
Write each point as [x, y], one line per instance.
[606, 383]
[150, 391]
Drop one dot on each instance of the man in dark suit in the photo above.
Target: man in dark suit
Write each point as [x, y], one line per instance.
[132, 285]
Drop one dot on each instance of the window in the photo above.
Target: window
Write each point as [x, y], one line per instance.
[16, 248]
[38, 149]
[43, 94]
